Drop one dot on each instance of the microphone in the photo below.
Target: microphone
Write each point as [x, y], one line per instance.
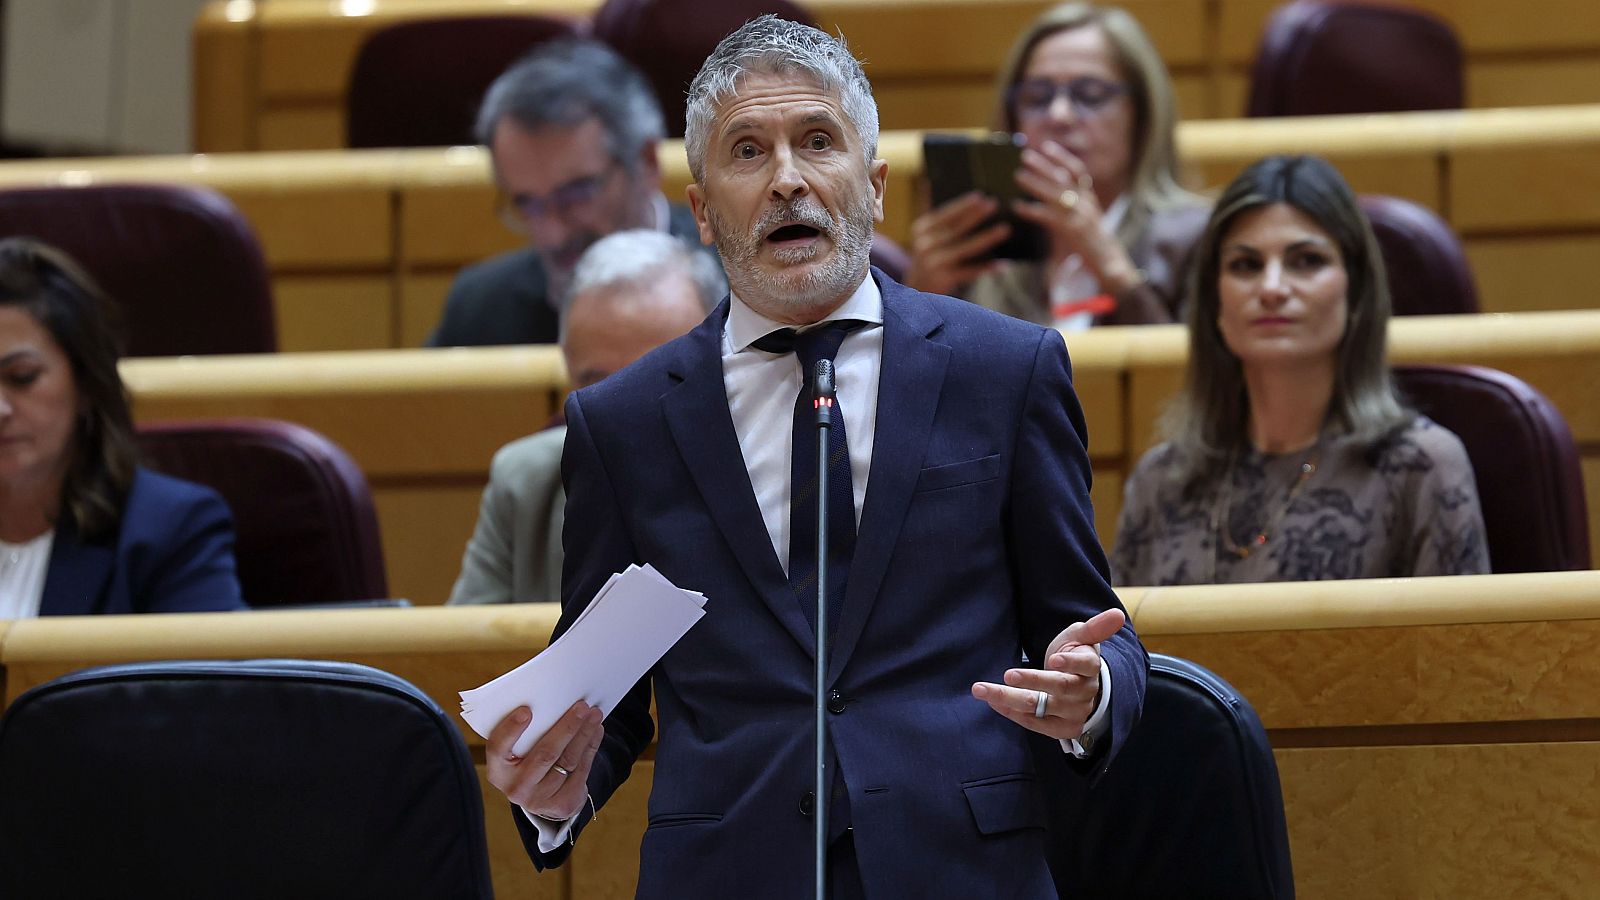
[822, 391]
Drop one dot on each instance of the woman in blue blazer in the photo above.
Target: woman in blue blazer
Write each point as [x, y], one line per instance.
[84, 529]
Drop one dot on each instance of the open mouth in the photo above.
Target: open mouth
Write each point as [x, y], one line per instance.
[792, 233]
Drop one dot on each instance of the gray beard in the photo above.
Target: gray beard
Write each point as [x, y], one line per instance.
[822, 287]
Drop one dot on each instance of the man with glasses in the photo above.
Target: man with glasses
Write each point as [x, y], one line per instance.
[631, 292]
[572, 131]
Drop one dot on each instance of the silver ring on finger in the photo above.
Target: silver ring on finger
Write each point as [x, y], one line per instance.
[561, 770]
[1040, 704]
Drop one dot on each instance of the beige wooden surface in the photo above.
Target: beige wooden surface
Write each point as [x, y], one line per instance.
[423, 424]
[272, 75]
[1435, 737]
[362, 245]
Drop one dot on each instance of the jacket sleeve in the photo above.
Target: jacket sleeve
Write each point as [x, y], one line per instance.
[595, 545]
[486, 565]
[192, 567]
[1059, 567]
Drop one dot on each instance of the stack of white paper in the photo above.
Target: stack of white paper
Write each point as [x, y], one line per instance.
[629, 625]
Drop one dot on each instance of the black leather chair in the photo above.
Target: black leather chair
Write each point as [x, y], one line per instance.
[1530, 485]
[419, 83]
[1191, 806]
[306, 531]
[238, 779]
[1324, 57]
[1426, 264]
[670, 39]
[181, 261]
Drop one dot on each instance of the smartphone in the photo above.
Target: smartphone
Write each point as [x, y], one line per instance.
[957, 163]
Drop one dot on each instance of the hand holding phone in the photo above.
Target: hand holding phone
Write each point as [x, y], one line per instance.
[957, 165]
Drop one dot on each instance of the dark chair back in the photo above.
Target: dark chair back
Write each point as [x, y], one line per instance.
[1427, 267]
[419, 83]
[1191, 806]
[306, 528]
[1523, 456]
[244, 779]
[1325, 57]
[181, 261]
[668, 40]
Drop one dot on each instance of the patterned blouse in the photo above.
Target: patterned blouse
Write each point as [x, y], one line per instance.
[1407, 507]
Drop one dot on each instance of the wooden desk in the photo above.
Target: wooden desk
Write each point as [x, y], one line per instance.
[363, 245]
[272, 75]
[423, 424]
[1434, 737]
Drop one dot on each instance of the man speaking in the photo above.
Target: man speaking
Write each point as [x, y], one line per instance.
[969, 559]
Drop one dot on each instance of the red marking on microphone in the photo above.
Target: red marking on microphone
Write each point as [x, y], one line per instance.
[821, 402]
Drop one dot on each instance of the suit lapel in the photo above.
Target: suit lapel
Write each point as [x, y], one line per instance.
[76, 576]
[909, 384]
[696, 410]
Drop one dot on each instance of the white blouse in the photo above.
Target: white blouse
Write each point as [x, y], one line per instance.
[22, 572]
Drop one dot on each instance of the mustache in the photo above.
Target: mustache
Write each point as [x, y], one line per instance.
[802, 211]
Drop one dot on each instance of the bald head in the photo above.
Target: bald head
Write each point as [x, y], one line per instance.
[632, 292]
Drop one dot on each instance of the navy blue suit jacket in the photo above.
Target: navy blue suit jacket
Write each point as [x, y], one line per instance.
[171, 552]
[976, 544]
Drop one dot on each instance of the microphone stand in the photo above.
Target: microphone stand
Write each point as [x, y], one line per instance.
[823, 389]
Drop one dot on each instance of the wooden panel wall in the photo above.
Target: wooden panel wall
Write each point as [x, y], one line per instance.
[272, 75]
[362, 245]
[1434, 737]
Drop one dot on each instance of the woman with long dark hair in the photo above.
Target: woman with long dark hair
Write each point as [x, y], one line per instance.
[1288, 455]
[84, 529]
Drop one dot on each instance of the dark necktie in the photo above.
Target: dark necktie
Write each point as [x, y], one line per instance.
[810, 346]
[819, 343]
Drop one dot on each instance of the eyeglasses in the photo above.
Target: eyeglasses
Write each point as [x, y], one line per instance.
[518, 211]
[1088, 95]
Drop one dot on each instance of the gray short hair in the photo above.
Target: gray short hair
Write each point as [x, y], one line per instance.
[641, 256]
[775, 46]
[565, 83]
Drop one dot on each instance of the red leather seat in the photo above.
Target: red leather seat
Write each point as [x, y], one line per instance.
[1428, 271]
[1323, 58]
[306, 528]
[1524, 457]
[419, 83]
[670, 39]
[181, 261]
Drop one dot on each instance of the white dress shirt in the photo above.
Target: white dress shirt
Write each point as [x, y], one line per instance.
[22, 572]
[761, 390]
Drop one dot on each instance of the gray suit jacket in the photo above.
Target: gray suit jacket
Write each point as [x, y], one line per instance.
[515, 552]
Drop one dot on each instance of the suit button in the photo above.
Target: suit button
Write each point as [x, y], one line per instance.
[836, 702]
[807, 804]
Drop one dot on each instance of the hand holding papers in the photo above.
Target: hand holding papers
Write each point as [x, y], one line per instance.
[629, 625]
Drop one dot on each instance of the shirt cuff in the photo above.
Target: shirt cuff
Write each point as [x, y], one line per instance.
[1083, 744]
[552, 834]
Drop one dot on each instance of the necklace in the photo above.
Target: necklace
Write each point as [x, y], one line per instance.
[1220, 515]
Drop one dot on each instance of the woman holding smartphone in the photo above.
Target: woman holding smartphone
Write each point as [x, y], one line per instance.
[1090, 97]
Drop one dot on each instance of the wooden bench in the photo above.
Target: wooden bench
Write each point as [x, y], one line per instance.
[272, 75]
[1435, 737]
[423, 424]
[363, 245]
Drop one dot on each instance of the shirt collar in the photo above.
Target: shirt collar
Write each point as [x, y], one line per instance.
[746, 326]
[1112, 220]
[663, 212]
